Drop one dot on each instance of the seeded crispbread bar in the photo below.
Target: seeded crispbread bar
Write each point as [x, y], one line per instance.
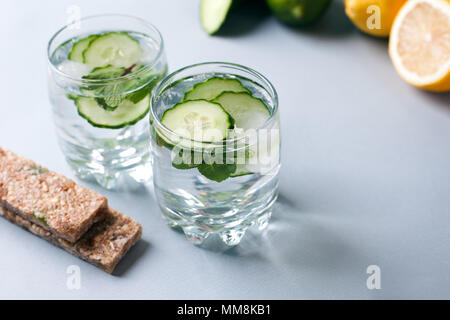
[103, 245]
[45, 198]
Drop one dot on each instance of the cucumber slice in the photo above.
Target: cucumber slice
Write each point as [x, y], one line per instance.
[248, 112]
[213, 87]
[118, 49]
[76, 53]
[213, 14]
[126, 114]
[198, 117]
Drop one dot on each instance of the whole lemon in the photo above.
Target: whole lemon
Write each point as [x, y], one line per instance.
[374, 17]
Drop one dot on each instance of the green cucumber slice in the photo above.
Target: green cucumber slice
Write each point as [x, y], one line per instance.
[118, 49]
[127, 113]
[213, 87]
[213, 14]
[76, 53]
[247, 111]
[198, 118]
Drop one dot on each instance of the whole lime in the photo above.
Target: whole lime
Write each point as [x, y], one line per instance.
[298, 12]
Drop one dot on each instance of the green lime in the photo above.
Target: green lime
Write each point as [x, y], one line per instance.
[298, 12]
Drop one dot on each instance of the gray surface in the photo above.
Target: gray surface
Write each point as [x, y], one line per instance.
[365, 177]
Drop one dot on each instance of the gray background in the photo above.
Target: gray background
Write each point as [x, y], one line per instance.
[365, 177]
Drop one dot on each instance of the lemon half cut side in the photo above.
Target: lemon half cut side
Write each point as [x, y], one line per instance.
[419, 44]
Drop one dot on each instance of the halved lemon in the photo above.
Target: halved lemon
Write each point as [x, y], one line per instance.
[419, 44]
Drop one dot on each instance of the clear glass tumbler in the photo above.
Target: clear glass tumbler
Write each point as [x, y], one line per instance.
[222, 195]
[101, 111]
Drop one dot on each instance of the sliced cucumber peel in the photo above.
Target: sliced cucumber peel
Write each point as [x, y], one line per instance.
[213, 87]
[118, 49]
[213, 14]
[198, 120]
[247, 111]
[76, 53]
[127, 113]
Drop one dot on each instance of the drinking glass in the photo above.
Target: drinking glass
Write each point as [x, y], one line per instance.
[226, 204]
[108, 153]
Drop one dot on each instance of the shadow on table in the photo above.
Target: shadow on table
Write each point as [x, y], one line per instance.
[132, 257]
[441, 99]
[334, 23]
[244, 20]
[295, 241]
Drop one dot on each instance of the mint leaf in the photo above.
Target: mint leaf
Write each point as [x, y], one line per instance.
[138, 95]
[72, 96]
[217, 172]
[186, 159]
[111, 97]
[145, 84]
[103, 73]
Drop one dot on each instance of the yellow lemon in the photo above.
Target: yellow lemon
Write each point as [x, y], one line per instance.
[419, 45]
[374, 17]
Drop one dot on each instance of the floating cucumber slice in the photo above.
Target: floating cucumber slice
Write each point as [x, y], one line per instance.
[76, 53]
[213, 87]
[213, 14]
[118, 49]
[247, 111]
[198, 117]
[127, 113]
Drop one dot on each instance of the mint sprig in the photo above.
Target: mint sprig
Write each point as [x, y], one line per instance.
[217, 172]
[110, 96]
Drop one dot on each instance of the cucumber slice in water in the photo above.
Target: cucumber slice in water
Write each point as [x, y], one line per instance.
[127, 113]
[198, 117]
[247, 111]
[213, 14]
[76, 53]
[213, 87]
[118, 49]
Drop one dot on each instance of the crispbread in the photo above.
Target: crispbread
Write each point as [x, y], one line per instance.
[103, 245]
[47, 199]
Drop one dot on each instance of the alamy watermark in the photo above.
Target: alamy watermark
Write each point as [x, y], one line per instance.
[73, 281]
[73, 17]
[374, 280]
[374, 20]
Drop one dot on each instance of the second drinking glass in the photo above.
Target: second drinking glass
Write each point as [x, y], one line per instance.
[216, 150]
